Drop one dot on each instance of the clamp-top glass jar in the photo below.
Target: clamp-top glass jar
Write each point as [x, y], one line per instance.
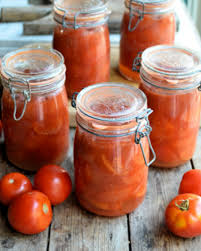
[34, 108]
[145, 23]
[170, 77]
[82, 36]
[111, 150]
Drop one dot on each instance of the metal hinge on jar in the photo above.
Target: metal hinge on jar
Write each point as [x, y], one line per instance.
[139, 13]
[137, 62]
[143, 130]
[75, 24]
[73, 102]
[26, 94]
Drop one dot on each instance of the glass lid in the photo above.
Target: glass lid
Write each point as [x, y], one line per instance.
[111, 102]
[32, 64]
[171, 60]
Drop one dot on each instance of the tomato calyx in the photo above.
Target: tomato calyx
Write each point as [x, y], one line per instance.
[184, 205]
[45, 208]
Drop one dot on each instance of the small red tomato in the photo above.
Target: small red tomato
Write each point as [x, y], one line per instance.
[30, 213]
[191, 182]
[12, 185]
[183, 215]
[55, 182]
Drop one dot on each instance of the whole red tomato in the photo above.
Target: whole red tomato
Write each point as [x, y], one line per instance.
[30, 213]
[55, 182]
[183, 215]
[191, 182]
[12, 185]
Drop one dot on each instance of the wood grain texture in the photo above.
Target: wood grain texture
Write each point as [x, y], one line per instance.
[10, 239]
[27, 13]
[147, 226]
[74, 229]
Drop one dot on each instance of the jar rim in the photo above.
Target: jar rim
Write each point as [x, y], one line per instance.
[150, 6]
[130, 92]
[40, 68]
[174, 63]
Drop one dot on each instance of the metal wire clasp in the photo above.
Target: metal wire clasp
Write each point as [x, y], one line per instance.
[73, 102]
[26, 93]
[140, 15]
[143, 130]
[137, 62]
[75, 22]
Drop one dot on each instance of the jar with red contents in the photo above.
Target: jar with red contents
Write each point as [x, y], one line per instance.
[145, 23]
[170, 77]
[82, 36]
[34, 108]
[111, 149]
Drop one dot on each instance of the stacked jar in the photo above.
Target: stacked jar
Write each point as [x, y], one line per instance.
[34, 108]
[145, 23]
[82, 36]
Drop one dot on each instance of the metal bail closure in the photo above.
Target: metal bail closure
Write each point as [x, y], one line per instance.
[137, 62]
[73, 102]
[26, 93]
[140, 16]
[143, 130]
[75, 24]
[63, 19]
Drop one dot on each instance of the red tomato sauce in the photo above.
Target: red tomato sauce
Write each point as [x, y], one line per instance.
[110, 172]
[175, 124]
[42, 135]
[152, 30]
[87, 55]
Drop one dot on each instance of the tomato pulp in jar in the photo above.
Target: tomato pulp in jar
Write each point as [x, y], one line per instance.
[35, 108]
[82, 36]
[170, 77]
[110, 171]
[145, 23]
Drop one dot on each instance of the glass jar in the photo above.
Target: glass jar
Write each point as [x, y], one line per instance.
[82, 36]
[170, 77]
[111, 139]
[145, 23]
[34, 108]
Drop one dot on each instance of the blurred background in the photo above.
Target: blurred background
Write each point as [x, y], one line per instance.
[194, 8]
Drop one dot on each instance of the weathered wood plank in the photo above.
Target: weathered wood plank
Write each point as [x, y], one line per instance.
[74, 229]
[148, 230]
[27, 13]
[38, 2]
[9, 239]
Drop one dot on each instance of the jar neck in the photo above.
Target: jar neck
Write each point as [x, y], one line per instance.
[168, 82]
[34, 85]
[112, 128]
[80, 19]
[141, 8]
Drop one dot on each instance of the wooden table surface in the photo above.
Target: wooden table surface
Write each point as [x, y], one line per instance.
[74, 229]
